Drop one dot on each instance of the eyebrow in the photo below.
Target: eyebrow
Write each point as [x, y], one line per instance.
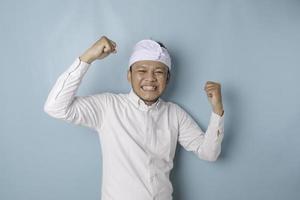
[158, 67]
[145, 66]
[162, 68]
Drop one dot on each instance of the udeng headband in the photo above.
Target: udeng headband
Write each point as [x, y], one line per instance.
[150, 50]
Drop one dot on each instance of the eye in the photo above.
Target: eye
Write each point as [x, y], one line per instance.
[159, 72]
[141, 71]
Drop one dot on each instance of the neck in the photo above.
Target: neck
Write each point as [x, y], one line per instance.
[149, 103]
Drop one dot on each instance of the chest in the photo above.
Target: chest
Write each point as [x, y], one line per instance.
[153, 130]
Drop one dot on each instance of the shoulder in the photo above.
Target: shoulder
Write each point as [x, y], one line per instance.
[172, 106]
[108, 95]
[105, 97]
[112, 98]
[178, 110]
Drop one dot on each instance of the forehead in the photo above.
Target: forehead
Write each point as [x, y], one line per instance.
[149, 64]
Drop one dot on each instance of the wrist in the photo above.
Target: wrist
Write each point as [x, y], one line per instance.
[219, 111]
[86, 58]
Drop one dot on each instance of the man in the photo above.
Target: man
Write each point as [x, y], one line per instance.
[138, 131]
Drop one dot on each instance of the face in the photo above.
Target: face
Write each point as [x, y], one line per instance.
[148, 79]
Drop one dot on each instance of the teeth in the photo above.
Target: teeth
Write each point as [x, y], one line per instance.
[148, 88]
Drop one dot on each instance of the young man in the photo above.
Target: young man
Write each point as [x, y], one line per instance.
[138, 131]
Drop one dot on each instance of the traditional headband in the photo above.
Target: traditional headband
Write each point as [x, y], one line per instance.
[150, 50]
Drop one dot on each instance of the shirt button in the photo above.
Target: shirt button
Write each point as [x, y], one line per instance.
[150, 161]
[152, 178]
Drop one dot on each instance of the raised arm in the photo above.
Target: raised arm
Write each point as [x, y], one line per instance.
[62, 102]
[206, 146]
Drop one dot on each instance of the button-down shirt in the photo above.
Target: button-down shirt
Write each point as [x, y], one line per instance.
[138, 141]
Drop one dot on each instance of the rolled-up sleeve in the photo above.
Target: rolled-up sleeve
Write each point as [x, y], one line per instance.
[62, 102]
[206, 145]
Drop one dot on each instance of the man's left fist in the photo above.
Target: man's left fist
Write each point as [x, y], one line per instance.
[213, 91]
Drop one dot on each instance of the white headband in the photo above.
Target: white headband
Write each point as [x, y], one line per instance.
[150, 50]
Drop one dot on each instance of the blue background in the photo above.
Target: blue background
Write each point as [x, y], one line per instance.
[251, 47]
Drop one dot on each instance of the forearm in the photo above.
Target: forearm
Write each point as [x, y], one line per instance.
[65, 88]
[218, 109]
[211, 147]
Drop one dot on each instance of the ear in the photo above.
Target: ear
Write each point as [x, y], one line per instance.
[129, 76]
[168, 78]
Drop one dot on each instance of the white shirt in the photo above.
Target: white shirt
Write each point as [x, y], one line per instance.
[138, 141]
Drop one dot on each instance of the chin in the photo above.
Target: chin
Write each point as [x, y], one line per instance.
[148, 96]
[150, 99]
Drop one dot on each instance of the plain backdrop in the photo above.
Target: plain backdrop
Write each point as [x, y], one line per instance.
[251, 47]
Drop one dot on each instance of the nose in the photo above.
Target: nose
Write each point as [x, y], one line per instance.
[150, 76]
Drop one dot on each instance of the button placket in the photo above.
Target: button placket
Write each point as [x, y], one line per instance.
[149, 146]
[152, 176]
[151, 133]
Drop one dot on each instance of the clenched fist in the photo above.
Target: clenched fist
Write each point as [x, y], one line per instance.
[213, 91]
[99, 50]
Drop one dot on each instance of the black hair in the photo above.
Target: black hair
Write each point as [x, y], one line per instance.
[161, 44]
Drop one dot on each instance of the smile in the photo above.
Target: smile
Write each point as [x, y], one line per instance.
[148, 88]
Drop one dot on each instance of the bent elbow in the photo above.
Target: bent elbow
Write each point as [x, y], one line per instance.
[46, 108]
[54, 112]
[211, 156]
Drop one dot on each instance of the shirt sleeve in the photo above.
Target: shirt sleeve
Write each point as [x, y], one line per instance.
[63, 104]
[206, 146]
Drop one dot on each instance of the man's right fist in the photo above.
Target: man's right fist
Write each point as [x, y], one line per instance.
[99, 50]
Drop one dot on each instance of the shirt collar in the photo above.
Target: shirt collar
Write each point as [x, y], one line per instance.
[139, 103]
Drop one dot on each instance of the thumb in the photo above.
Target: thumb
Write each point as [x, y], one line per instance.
[106, 49]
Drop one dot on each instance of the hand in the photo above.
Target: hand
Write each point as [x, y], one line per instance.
[99, 50]
[213, 91]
